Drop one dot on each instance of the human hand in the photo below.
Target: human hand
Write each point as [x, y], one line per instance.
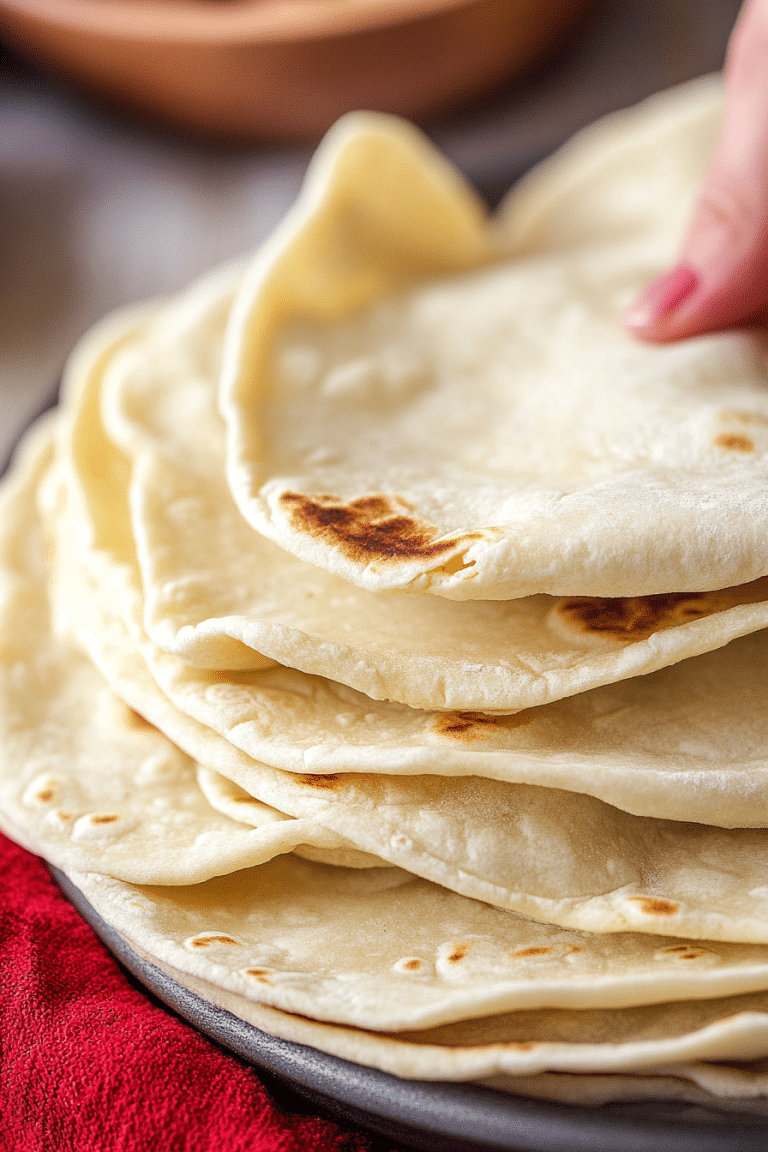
[721, 278]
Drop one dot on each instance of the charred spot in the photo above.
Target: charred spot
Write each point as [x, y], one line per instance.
[259, 974]
[45, 795]
[107, 818]
[463, 723]
[734, 442]
[636, 617]
[204, 941]
[632, 618]
[656, 906]
[458, 953]
[533, 951]
[329, 781]
[686, 952]
[369, 527]
[521, 1045]
[412, 965]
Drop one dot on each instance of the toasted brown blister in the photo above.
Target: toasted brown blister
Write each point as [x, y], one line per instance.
[629, 619]
[372, 527]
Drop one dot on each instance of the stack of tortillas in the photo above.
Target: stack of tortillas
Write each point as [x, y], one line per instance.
[383, 629]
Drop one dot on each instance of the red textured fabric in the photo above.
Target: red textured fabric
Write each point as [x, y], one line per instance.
[89, 1064]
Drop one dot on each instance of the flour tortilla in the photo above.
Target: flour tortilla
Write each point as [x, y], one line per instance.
[284, 903]
[497, 433]
[729, 1088]
[733, 1087]
[217, 594]
[634, 870]
[686, 743]
[512, 846]
[84, 779]
[559, 857]
[385, 952]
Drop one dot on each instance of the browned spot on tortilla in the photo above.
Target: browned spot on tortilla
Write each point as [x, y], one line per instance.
[412, 965]
[204, 941]
[371, 527]
[534, 951]
[631, 618]
[107, 818]
[62, 815]
[458, 953]
[467, 725]
[655, 905]
[45, 795]
[686, 952]
[520, 1045]
[259, 974]
[329, 781]
[734, 442]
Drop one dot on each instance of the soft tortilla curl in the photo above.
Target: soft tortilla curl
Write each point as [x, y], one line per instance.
[218, 594]
[714, 1087]
[83, 778]
[381, 950]
[687, 742]
[525, 1042]
[552, 855]
[497, 433]
[562, 857]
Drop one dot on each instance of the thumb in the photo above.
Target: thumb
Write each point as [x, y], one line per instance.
[722, 275]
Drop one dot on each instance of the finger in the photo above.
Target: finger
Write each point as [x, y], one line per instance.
[722, 276]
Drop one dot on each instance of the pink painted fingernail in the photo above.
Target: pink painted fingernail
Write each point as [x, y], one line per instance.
[662, 297]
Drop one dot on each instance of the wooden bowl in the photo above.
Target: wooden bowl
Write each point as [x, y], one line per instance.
[250, 69]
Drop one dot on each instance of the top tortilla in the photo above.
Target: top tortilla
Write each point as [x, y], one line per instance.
[148, 493]
[492, 433]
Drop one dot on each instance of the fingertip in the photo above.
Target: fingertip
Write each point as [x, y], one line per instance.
[651, 312]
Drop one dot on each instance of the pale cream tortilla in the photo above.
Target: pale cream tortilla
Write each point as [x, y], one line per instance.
[635, 870]
[687, 743]
[555, 856]
[217, 594]
[387, 951]
[334, 958]
[84, 779]
[715, 1087]
[498, 434]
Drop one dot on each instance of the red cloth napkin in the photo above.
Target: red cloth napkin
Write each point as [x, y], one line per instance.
[89, 1064]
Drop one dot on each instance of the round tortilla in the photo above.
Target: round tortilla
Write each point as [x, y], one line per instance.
[215, 593]
[496, 433]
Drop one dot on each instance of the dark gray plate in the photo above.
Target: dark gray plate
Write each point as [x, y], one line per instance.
[439, 1117]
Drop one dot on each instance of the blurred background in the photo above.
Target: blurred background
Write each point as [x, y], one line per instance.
[143, 141]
